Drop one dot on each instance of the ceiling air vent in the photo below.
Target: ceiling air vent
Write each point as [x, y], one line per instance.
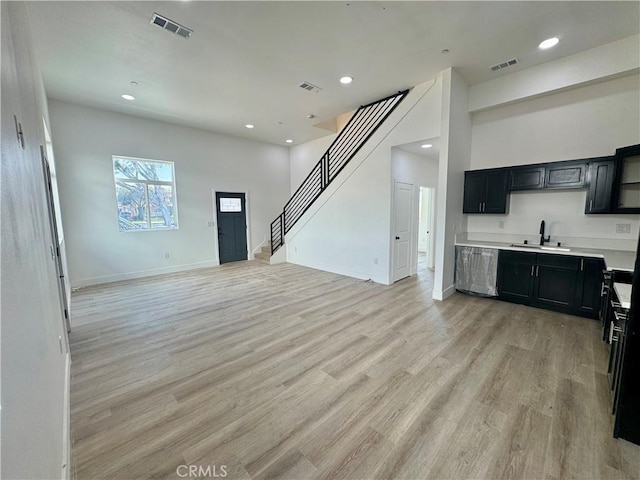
[170, 25]
[310, 87]
[506, 64]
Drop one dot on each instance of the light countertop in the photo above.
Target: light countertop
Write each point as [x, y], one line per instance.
[623, 290]
[613, 259]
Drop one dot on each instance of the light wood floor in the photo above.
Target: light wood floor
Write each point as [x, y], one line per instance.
[287, 372]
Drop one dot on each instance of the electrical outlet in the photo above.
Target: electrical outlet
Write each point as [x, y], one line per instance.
[210, 224]
[166, 254]
[623, 228]
[501, 224]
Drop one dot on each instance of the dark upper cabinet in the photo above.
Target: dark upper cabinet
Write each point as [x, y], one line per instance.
[526, 178]
[565, 175]
[475, 192]
[626, 185]
[601, 177]
[569, 174]
[485, 191]
[496, 199]
[613, 183]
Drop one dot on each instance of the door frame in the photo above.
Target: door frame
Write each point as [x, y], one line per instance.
[214, 223]
[413, 242]
[55, 242]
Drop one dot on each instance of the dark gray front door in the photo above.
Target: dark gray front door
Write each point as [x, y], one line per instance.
[232, 226]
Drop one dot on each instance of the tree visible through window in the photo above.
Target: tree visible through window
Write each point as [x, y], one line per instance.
[145, 193]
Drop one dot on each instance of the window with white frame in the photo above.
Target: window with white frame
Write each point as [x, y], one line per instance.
[145, 194]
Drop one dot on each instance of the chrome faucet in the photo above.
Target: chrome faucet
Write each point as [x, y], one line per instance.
[542, 239]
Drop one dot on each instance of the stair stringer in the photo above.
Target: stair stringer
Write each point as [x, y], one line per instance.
[347, 229]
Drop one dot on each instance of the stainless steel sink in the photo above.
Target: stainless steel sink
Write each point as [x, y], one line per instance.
[541, 247]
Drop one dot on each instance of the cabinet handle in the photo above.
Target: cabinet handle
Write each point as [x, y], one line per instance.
[532, 266]
[621, 317]
[582, 264]
[611, 333]
[614, 338]
[480, 207]
[537, 270]
[484, 207]
[590, 205]
[617, 329]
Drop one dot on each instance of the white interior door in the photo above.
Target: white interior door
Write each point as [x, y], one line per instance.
[403, 225]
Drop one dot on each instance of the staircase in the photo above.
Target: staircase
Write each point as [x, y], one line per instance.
[264, 254]
[362, 125]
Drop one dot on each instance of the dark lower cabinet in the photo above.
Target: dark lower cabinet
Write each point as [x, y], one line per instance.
[563, 283]
[555, 279]
[627, 398]
[514, 276]
[589, 287]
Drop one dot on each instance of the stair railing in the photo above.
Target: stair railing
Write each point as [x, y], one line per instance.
[360, 127]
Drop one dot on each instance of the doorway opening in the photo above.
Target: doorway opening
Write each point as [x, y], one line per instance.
[231, 216]
[426, 232]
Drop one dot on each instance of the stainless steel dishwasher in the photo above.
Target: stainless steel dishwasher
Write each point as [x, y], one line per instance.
[477, 270]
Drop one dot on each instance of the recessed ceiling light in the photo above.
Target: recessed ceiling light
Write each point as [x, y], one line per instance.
[548, 43]
[126, 96]
[426, 145]
[346, 80]
[444, 51]
[248, 125]
[288, 140]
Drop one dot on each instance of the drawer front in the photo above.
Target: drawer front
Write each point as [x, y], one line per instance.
[564, 261]
[519, 257]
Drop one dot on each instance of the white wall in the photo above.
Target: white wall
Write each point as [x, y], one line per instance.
[304, 157]
[584, 122]
[412, 168]
[348, 229]
[605, 62]
[86, 138]
[34, 398]
[455, 148]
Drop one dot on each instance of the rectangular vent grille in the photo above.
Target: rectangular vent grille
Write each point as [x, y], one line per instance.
[170, 25]
[310, 87]
[506, 64]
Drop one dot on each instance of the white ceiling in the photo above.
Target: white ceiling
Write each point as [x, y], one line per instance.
[432, 153]
[245, 60]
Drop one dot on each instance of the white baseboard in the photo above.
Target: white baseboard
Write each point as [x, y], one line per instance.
[142, 273]
[443, 294]
[339, 270]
